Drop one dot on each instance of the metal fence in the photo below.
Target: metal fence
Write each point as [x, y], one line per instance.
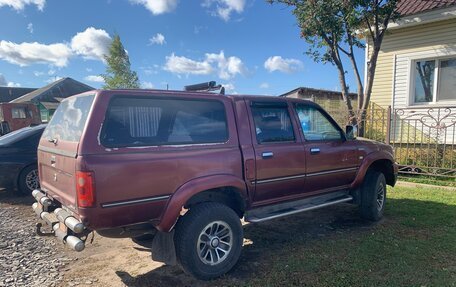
[423, 138]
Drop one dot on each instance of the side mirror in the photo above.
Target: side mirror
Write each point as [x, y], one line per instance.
[350, 132]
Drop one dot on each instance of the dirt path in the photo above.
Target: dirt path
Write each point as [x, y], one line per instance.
[120, 262]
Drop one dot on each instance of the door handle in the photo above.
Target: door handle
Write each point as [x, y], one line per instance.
[267, 154]
[314, 150]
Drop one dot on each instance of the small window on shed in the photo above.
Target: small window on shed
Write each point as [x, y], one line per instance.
[18, 113]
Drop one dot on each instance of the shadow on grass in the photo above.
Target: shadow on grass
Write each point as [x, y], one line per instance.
[269, 244]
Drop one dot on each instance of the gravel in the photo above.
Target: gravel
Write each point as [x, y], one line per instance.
[25, 258]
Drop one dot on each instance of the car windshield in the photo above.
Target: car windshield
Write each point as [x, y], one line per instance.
[16, 136]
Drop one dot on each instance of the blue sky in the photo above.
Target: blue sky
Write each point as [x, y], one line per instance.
[250, 46]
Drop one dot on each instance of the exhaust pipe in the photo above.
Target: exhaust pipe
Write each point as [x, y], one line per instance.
[71, 241]
[57, 217]
[72, 223]
[41, 198]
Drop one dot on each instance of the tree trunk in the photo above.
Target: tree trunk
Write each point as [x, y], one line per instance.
[368, 89]
[343, 85]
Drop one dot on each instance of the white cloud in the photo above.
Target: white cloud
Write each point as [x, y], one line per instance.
[2, 80]
[147, 85]
[38, 73]
[25, 54]
[229, 88]
[158, 39]
[277, 63]
[182, 65]
[94, 78]
[89, 70]
[264, 85]
[91, 44]
[224, 8]
[51, 72]
[157, 6]
[20, 4]
[4, 83]
[226, 68]
[12, 84]
[30, 28]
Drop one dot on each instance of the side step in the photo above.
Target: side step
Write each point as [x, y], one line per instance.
[288, 208]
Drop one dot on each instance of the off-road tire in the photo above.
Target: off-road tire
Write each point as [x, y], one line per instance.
[373, 186]
[24, 187]
[189, 230]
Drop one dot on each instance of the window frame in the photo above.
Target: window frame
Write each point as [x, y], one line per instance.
[168, 144]
[272, 104]
[436, 78]
[325, 114]
[24, 109]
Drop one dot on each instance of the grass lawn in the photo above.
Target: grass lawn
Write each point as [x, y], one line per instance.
[415, 245]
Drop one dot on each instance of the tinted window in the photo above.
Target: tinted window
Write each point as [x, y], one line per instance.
[315, 125]
[272, 124]
[69, 119]
[158, 121]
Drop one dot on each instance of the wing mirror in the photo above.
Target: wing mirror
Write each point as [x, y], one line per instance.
[350, 132]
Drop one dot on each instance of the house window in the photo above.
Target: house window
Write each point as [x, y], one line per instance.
[18, 113]
[434, 81]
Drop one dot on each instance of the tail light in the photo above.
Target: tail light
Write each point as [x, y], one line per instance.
[85, 189]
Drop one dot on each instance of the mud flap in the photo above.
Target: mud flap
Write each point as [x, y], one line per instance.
[163, 249]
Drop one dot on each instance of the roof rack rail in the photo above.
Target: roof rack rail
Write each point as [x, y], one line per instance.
[205, 87]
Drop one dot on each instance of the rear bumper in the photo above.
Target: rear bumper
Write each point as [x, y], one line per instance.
[67, 228]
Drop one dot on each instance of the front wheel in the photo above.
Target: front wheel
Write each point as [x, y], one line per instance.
[373, 196]
[28, 180]
[208, 240]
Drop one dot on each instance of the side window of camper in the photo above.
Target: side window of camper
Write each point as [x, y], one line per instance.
[18, 113]
[157, 121]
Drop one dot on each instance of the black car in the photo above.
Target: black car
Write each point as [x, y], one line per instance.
[18, 159]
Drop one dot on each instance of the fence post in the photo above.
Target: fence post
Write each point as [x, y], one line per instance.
[388, 125]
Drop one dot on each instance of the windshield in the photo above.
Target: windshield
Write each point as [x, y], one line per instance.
[69, 119]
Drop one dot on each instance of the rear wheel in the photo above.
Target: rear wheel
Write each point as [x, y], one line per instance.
[28, 180]
[373, 196]
[208, 240]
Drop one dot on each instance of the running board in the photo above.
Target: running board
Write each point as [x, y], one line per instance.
[262, 214]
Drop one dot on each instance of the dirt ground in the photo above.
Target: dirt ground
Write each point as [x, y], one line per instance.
[120, 262]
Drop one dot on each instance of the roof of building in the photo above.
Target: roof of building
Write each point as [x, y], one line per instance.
[50, 105]
[315, 92]
[62, 88]
[410, 7]
[8, 94]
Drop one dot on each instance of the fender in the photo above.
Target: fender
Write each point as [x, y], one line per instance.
[368, 160]
[187, 190]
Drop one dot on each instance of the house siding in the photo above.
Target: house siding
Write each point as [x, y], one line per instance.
[400, 45]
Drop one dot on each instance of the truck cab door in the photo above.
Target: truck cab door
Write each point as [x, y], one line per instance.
[279, 153]
[332, 161]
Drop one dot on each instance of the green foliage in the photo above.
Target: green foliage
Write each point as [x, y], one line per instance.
[412, 246]
[118, 72]
[334, 28]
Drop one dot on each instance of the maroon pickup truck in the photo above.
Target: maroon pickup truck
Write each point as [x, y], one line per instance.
[186, 167]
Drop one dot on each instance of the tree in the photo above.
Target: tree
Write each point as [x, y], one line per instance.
[334, 29]
[118, 72]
